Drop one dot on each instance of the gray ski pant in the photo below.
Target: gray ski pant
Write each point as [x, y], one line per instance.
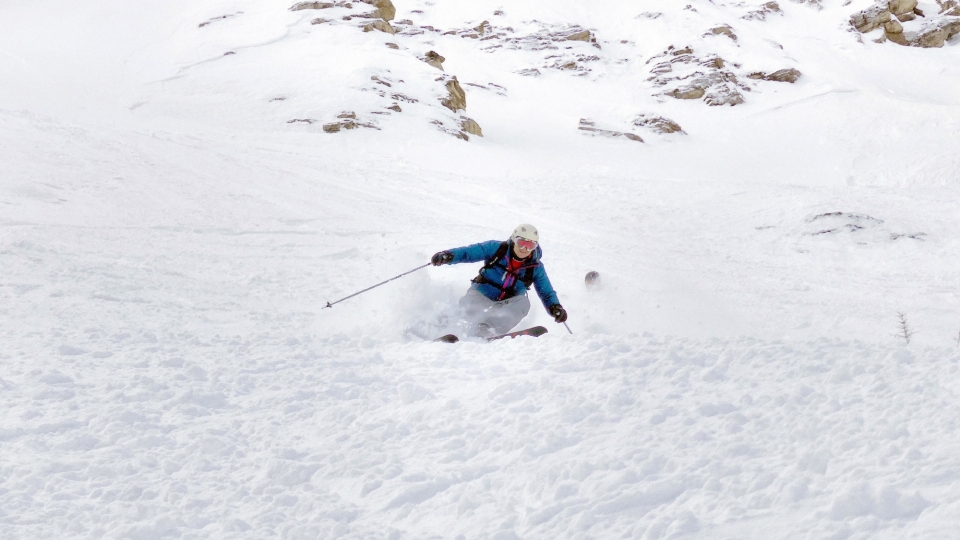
[500, 317]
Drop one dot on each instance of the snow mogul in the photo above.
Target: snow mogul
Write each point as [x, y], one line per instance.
[497, 300]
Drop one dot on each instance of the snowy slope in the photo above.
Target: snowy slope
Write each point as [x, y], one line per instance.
[173, 217]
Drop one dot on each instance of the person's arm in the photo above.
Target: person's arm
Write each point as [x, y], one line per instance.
[467, 254]
[547, 295]
[544, 289]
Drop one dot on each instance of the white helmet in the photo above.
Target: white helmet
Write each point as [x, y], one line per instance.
[526, 231]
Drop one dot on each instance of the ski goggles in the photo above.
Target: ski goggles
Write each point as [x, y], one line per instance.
[524, 244]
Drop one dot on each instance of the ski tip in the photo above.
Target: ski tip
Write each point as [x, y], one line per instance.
[449, 338]
[535, 331]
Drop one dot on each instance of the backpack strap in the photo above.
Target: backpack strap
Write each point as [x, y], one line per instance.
[526, 275]
[491, 262]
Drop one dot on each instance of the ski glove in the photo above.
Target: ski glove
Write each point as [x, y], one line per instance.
[443, 257]
[559, 314]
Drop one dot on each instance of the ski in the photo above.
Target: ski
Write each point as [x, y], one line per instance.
[449, 338]
[536, 331]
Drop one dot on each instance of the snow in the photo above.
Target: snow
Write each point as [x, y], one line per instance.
[168, 241]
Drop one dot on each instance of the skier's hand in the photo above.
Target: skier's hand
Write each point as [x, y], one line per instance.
[559, 314]
[443, 257]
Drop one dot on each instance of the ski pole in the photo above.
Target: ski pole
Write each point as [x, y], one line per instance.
[331, 304]
[568, 328]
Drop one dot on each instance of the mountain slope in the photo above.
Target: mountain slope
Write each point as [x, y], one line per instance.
[174, 217]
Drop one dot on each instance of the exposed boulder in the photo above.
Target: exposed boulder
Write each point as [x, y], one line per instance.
[900, 7]
[582, 35]
[690, 77]
[722, 93]
[457, 98]
[547, 37]
[312, 5]
[657, 124]
[761, 14]
[591, 129]
[789, 75]
[434, 59]
[471, 127]
[893, 31]
[386, 8]
[724, 30]
[949, 7]
[346, 120]
[933, 34]
[687, 92]
[936, 34]
[382, 26]
[456, 132]
[870, 19]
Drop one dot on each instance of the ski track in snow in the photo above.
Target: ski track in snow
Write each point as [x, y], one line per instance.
[168, 239]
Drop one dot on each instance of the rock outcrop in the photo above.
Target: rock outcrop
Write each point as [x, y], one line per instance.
[386, 8]
[870, 19]
[789, 75]
[434, 59]
[548, 37]
[590, 128]
[903, 7]
[582, 35]
[890, 16]
[346, 120]
[380, 25]
[761, 14]
[471, 127]
[657, 124]
[949, 7]
[723, 30]
[687, 76]
[936, 35]
[456, 99]
[312, 5]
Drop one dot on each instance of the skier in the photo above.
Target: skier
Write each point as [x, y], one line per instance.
[497, 300]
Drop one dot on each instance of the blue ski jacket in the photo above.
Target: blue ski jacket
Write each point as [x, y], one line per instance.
[496, 282]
